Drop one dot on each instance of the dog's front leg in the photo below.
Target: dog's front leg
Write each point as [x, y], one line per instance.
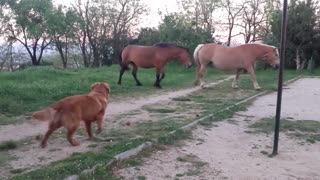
[99, 122]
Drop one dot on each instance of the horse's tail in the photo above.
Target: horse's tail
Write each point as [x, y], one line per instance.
[120, 61]
[196, 54]
[197, 62]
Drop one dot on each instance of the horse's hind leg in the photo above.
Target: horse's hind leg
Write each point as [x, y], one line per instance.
[158, 78]
[162, 76]
[253, 78]
[201, 72]
[235, 80]
[197, 81]
[134, 74]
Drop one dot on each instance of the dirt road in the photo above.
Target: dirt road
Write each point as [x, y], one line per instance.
[228, 151]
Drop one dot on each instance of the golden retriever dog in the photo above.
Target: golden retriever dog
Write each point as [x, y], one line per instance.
[69, 111]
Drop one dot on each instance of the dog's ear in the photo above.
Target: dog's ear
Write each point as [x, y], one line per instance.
[94, 85]
[107, 88]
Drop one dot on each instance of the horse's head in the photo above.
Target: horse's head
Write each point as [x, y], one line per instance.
[184, 57]
[272, 57]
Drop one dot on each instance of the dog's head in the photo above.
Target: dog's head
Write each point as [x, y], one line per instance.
[102, 88]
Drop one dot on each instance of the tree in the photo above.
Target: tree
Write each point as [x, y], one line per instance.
[105, 27]
[124, 15]
[61, 28]
[200, 13]
[82, 30]
[175, 29]
[26, 24]
[301, 36]
[148, 36]
[233, 10]
[253, 19]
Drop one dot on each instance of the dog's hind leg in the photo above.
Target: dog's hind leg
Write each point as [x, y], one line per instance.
[51, 129]
[88, 128]
[70, 133]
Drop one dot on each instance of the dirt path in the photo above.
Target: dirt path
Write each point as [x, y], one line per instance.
[32, 128]
[227, 151]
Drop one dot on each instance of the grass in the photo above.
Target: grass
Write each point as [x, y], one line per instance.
[195, 170]
[211, 100]
[31, 89]
[159, 110]
[303, 129]
[8, 145]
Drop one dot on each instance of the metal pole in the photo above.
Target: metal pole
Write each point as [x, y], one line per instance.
[280, 80]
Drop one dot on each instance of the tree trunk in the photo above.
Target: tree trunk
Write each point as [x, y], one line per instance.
[311, 64]
[62, 55]
[298, 60]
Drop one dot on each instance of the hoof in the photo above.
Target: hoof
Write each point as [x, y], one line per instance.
[157, 86]
[139, 84]
[203, 86]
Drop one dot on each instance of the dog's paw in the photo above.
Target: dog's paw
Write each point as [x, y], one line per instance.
[75, 143]
[43, 145]
[98, 131]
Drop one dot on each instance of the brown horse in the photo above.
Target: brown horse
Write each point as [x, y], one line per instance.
[237, 58]
[155, 56]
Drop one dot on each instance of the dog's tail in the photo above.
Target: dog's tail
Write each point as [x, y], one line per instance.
[44, 115]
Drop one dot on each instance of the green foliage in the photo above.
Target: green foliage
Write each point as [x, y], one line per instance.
[301, 32]
[175, 29]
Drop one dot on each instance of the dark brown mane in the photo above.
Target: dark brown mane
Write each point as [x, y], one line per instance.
[168, 45]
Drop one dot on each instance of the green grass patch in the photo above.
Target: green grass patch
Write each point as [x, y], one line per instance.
[169, 139]
[79, 162]
[4, 157]
[8, 145]
[266, 125]
[159, 110]
[302, 129]
[34, 88]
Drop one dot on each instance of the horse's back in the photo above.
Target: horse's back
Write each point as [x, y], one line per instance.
[141, 56]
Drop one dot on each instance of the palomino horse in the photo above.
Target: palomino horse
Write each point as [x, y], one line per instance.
[155, 56]
[237, 58]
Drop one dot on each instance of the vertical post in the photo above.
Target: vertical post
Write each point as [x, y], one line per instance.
[280, 80]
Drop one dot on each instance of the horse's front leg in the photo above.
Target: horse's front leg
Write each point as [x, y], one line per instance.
[122, 70]
[158, 78]
[253, 78]
[235, 80]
